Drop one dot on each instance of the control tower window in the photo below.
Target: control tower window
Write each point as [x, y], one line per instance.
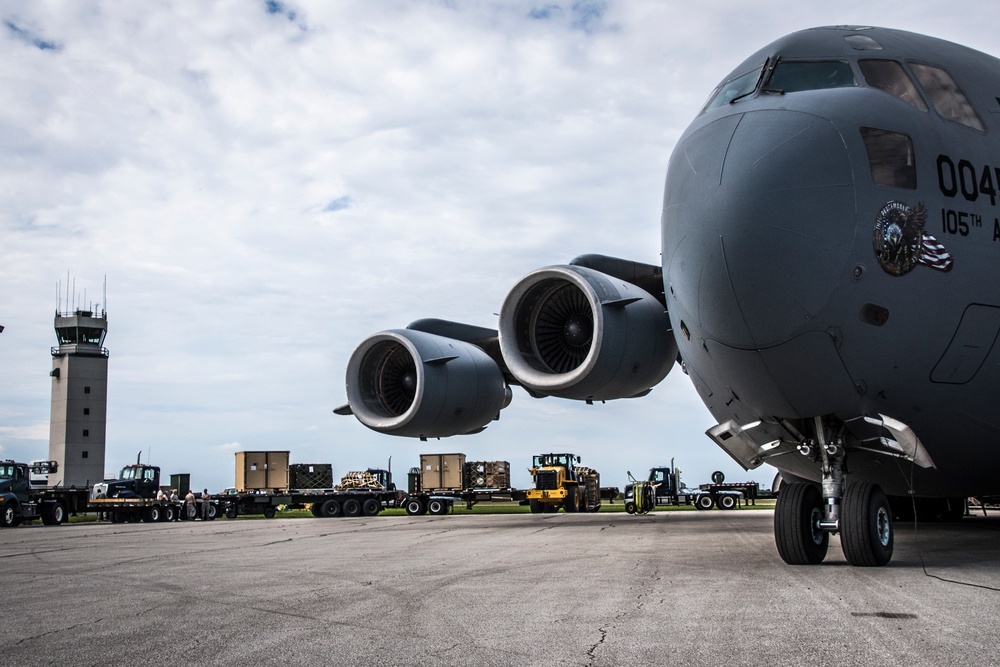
[890, 156]
[947, 98]
[890, 77]
[728, 91]
[791, 76]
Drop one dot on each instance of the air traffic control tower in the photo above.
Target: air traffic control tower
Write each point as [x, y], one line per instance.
[78, 425]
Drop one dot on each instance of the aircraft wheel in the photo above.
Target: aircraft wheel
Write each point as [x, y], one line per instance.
[351, 507]
[866, 526]
[414, 507]
[704, 502]
[371, 507]
[726, 502]
[797, 534]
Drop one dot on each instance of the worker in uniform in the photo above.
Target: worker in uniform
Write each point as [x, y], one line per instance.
[204, 504]
[189, 509]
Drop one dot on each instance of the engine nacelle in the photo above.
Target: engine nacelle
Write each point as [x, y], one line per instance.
[573, 332]
[417, 384]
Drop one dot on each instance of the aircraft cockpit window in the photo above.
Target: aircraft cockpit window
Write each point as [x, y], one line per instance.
[792, 76]
[890, 77]
[947, 98]
[890, 156]
[733, 89]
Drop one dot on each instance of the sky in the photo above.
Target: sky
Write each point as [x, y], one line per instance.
[262, 185]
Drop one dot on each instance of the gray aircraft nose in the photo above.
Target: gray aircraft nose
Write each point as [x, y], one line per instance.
[759, 218]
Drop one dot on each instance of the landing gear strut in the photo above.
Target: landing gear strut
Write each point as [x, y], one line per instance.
[805, 516]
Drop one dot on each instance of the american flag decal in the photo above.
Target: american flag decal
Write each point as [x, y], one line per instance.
[934, 255]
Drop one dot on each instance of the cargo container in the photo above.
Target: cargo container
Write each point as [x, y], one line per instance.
[261, 471]
[310, 476]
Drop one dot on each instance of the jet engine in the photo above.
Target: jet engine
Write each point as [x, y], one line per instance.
[418, 384]
[573, 332]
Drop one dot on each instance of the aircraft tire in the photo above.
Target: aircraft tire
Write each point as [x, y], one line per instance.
[866, 533]
[797, 534]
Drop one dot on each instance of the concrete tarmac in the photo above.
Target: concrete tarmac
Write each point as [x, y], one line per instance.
[684, 588]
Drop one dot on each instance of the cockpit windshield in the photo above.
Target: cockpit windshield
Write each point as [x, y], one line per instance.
[792, 76]
[732, 89]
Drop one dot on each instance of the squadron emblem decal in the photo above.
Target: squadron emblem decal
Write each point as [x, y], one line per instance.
[901, 242]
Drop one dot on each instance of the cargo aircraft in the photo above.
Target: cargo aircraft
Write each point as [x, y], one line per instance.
[829, 223]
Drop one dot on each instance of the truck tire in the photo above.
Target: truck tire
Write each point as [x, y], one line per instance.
[8, 517]
[704, 502]
[170, 513]
[268, 512]
[726, 501]
[570, 504]
[232, 512]
[371, 507]
[718, 477]
[351, 507]
[596, 508]
[330, 508]
[437, 506]
[415, 507]
[213, 511]
[535, 506]
[316, 509]
[153, 514]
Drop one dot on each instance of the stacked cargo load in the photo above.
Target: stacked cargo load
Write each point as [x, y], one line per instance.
[360, 479]
[310, 475]
[487, 475]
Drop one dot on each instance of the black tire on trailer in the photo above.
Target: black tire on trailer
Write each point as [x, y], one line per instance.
[535, 506]
[213, 511]
[330, 508]
[866, 533]
[415, 506]
[726, 501]
[351, 507]
[371, 507]
[171, 513]
[54, 514]
[269, 512]
[437, 506]
[315, 510]
[8, 516]
[704, 502]
[47, 519]
[718, 477]
[232, 512]
[152, 514]
[797, 534]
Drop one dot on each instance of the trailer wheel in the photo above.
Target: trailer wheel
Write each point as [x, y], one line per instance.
[330, 508]
[152, 515]
[351, 507]
[371, 507]
[170, 513]
[213, 512]
[8, 517]
[437, 506]
[268, 512]
[232, 512]
[414, 507]
[726, 501]
[316, 510]
[704, 502]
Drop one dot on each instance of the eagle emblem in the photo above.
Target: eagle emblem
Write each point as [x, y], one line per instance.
[901, 242]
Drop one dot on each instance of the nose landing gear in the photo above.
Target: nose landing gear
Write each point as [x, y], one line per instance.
[804, 517]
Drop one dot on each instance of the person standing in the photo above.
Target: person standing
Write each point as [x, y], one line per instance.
[190, 511]
[204, 504]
